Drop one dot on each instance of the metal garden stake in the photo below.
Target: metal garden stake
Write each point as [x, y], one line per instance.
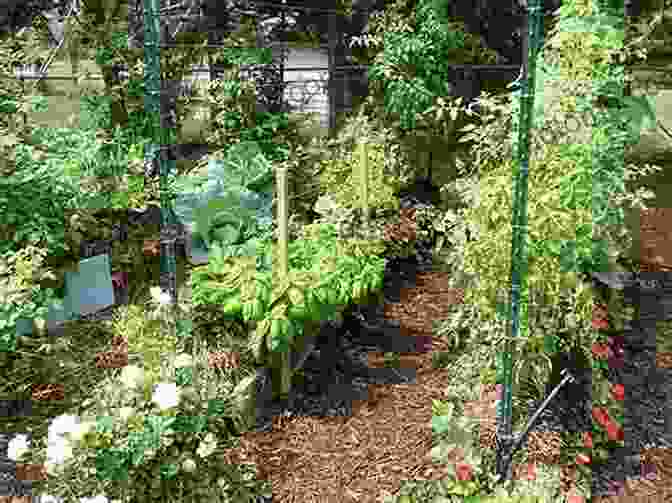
[161, 137]
[519, 223]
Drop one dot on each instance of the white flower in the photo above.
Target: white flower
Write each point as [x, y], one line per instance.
[62, 424]
[48, 498]
[159, 296]
[183, 360]
[17, 447]
[166, 395]
[207, 446]
[132, 376]
[58, 451]
[97, 499]
[126, 412]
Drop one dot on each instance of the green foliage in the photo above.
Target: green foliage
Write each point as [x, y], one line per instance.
[231, 203]
[342, 178]
[33, 200]
[246, 56]
[316, 264]
[412, 65]
[237, 119]
[118, 41]
[23, 297]
[144, 336]
[571, 187]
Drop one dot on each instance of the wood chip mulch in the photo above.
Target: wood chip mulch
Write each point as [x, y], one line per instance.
[656, 256]
[655, 230]
[387, 440]
[653, 489]
[363, 457]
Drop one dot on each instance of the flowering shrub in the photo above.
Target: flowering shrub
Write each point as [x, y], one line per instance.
[133, 441]
[607, 410]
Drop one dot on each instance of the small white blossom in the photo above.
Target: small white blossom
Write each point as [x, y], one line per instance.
[17, 447]
[166, 395]
[62, 424]
[97, 499]
[161, 297]
[58, 451]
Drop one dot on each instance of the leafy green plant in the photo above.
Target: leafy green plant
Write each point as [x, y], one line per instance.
[410, 67]
[340, 178]
[237, 117]
[232, 203]
[320, 278]
[23, 297]
[145, 337]
[34, 198]
[572, 224]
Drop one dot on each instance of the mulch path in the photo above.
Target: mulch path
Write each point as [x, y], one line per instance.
[387, 439]
[384, 442]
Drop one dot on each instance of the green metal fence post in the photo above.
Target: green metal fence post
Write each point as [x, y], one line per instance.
[505, 438]
[162, 138]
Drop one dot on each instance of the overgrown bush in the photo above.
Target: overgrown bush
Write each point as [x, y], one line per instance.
[573, 223]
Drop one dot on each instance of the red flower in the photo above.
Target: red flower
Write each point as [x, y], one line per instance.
[531, 471]
[601, 351]
[588, 440]
[582, 459]
[601, 416]
[600, 314]
[464, 471]
[575, 498]
[599, 324]
[614, 431]
[618, 392]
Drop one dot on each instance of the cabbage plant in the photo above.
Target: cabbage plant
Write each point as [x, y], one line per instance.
[230, 206]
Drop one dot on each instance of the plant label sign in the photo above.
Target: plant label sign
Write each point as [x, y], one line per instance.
[90, 288]
[86, 291]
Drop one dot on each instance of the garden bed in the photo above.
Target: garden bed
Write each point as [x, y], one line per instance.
[358, 401]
